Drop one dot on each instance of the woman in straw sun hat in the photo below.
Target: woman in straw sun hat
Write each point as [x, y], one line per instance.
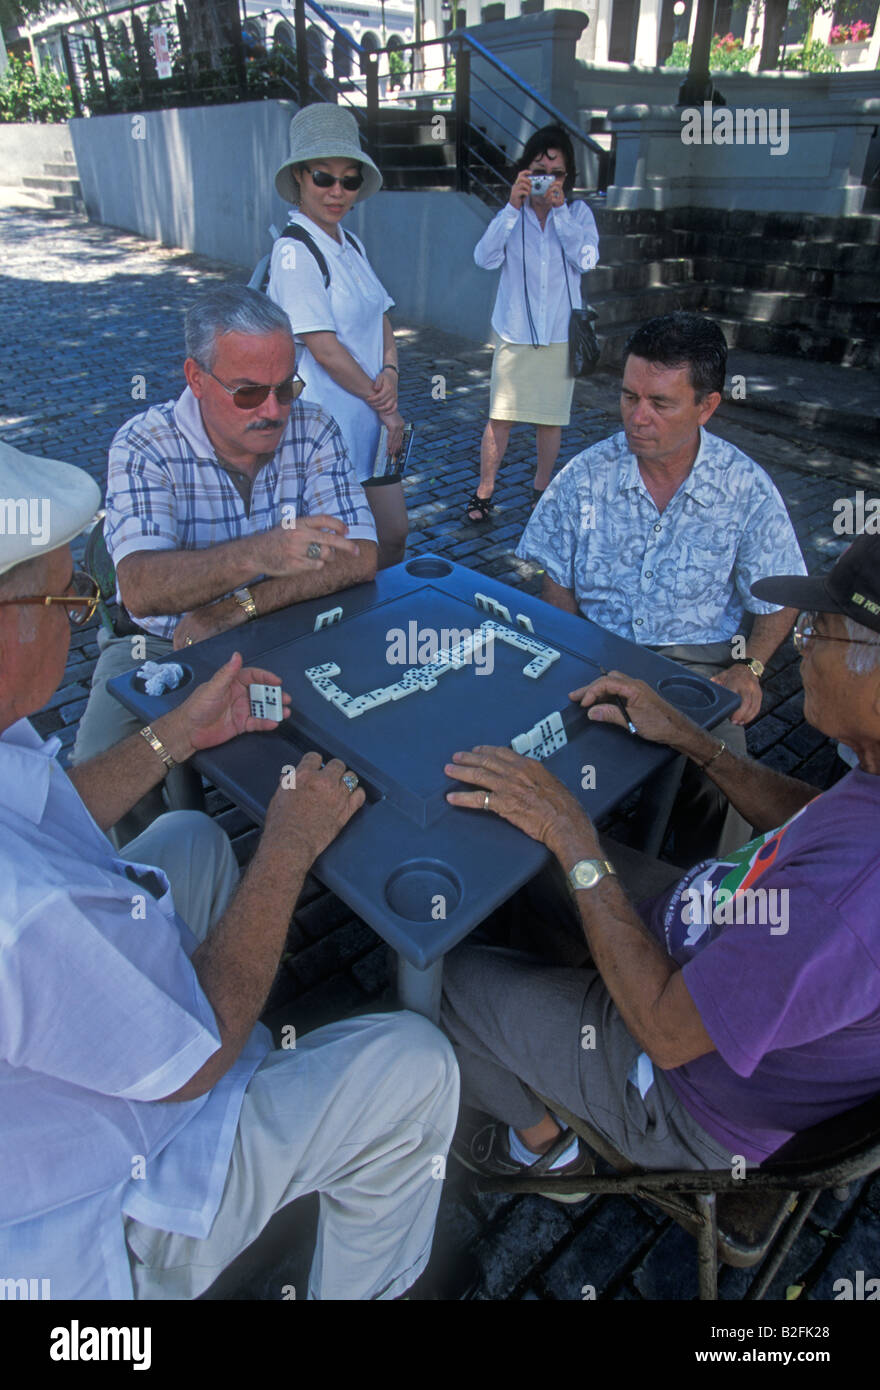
[348, 357]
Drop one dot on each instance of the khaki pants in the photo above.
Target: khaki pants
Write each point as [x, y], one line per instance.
[361, 1112]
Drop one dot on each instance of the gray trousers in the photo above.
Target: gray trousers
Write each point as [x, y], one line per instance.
[522, 1025]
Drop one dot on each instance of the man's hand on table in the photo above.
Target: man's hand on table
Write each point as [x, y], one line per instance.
[315, 806]
[218, 710]
[654, 718]
[283, 550]
[744, 683]
[523, 792]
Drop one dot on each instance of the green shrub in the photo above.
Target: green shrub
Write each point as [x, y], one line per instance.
[725, 55]
[29, 96]
[813, 57]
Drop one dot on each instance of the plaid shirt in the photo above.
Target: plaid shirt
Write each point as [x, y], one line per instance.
[166, 490]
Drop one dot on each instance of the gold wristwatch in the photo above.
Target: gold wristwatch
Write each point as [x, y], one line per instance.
[587, 872]
[755, 666]
[246, 599]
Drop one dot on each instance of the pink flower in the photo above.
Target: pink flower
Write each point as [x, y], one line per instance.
[859, 31]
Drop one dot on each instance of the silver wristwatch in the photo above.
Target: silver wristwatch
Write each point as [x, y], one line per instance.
[587, 872]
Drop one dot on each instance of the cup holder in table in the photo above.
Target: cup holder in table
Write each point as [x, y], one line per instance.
[428, 568]
[686, 692]
[140, 685]
[413, 891]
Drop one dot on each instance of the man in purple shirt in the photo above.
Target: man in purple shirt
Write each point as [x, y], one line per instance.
[740, 1004]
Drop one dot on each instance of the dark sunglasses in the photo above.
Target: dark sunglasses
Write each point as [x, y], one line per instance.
[249, 397]
[321, 179]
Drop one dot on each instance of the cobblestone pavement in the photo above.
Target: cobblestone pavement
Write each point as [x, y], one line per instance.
[92, 330]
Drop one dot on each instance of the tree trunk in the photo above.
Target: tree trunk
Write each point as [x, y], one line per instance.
[775, 12]
[213, 28]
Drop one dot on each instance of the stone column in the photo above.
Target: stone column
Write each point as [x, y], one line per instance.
[648, 33]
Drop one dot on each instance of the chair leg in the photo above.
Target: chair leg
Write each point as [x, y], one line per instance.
[184, 790]
[707, 1247]
[767, 1273]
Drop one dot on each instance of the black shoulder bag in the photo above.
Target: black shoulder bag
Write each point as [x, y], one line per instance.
[584, 348]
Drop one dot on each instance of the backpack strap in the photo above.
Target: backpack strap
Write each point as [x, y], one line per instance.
[298, 233]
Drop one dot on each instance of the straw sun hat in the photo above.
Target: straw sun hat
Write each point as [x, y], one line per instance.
[325, 131]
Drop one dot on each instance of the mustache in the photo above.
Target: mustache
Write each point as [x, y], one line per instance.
[264, 426]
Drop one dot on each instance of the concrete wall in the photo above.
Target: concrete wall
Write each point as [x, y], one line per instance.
[599, 87]
[198, 177]
[421, 246]
[202, 179]
[24, 149]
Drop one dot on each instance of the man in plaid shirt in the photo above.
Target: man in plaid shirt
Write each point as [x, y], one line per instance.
[228, 503]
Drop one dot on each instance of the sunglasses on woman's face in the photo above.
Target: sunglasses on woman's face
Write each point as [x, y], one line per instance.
[321, 179]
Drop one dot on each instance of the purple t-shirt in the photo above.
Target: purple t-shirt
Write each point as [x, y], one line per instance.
[780, 949]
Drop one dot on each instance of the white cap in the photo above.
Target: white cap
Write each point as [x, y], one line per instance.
[43, 504]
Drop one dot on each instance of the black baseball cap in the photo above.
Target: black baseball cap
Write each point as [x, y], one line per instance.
[852, 587]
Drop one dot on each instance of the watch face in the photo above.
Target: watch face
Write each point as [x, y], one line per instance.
[585, 875]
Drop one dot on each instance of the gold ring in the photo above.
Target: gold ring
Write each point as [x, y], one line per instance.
[187, 641]
[486, 801]
[313, 550]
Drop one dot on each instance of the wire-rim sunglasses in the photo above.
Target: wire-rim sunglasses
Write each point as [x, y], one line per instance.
[81, 600]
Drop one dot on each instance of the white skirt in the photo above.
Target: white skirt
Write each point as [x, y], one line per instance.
[531, 384]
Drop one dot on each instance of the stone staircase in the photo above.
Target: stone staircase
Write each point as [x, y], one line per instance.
[58, 185]
[798, 286]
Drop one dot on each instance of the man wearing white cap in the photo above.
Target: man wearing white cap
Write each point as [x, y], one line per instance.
[112, 1005]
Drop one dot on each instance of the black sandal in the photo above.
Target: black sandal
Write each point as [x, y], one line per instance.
[483, 505]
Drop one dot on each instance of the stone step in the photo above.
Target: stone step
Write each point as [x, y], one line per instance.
[401, 156]
[637, 275]
[819, 255]
[617, 248]
[46, 184]
[790, 279]
[433, 177]
[800, 341]
[826, 317]
[625, 307]
[65, 170]
[862, 228]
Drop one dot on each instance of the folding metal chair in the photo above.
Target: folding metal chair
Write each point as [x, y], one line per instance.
[743, 1222]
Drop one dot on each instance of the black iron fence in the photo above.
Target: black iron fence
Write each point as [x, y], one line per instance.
[145, 57]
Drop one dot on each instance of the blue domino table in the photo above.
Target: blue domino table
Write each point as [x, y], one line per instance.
[393, 677]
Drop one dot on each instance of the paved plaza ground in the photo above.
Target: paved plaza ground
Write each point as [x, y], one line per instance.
[91, 334]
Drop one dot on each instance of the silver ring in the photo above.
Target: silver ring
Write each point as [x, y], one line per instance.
[313, 550]
[351, 780]
[188, 641]
[486, 801]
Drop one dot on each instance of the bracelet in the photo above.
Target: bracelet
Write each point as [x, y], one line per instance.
[717, 754]
[157, 746]
[392, 366]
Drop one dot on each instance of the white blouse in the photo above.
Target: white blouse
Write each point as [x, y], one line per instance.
[352, 307]
[569, 231]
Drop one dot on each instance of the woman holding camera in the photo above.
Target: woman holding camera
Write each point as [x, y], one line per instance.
[543, 245]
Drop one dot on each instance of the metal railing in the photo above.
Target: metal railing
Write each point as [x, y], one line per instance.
[117, 61]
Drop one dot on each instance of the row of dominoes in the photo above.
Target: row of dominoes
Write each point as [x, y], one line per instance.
[490, 605]
[542, 655]
[546, 737]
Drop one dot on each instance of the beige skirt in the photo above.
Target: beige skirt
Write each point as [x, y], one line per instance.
[530, 384]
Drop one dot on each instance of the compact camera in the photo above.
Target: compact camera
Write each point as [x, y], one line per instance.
[541, 183]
